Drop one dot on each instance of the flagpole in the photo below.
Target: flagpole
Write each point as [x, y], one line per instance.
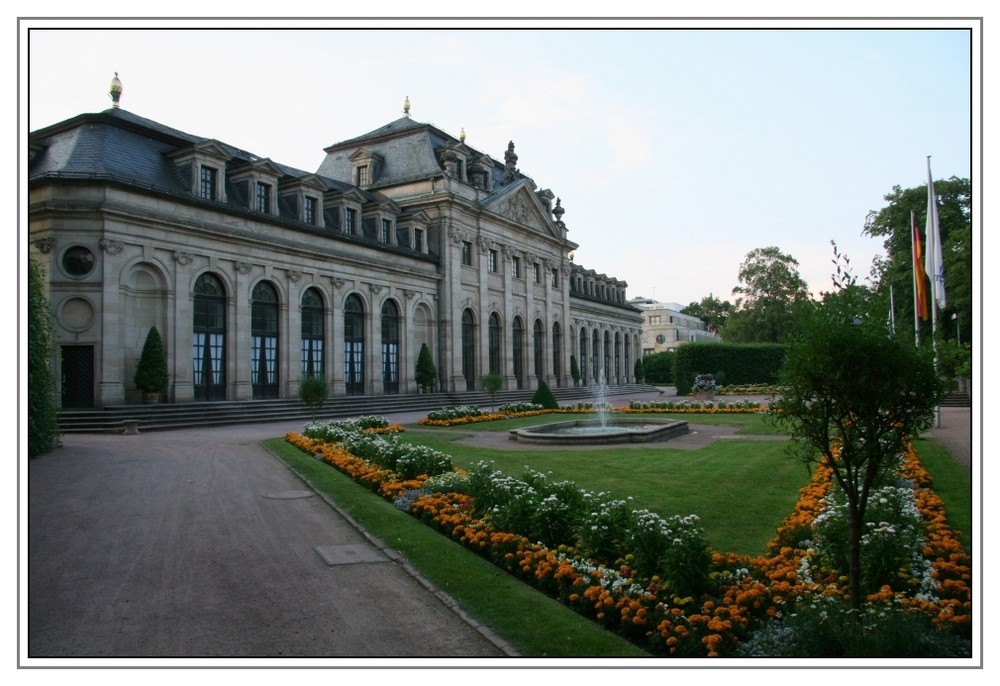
[932, 247]
[892, 311]
[916, 286]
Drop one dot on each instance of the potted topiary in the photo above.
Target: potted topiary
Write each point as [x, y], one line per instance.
[426, 372]
[704, 387]
[151, 376]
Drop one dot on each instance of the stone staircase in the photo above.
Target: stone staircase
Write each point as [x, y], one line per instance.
[957, 399]
[113, 419]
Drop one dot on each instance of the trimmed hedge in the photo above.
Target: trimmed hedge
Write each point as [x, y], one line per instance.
[659, 368]
[740, 363]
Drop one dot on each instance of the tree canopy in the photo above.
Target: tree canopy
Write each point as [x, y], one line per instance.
[769, 291]
[895, 269]
[714, 312]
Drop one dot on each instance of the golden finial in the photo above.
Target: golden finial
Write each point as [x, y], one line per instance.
[461, 135]
[116, 90]
[406, 106]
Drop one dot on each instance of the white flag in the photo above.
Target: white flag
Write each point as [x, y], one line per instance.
[933, 263]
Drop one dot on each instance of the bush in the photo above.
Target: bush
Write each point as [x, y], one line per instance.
[639, 370]
[659, 368]
[426, 373]
[574, 369]
[42, 410]
[151, 373]
[543, 396]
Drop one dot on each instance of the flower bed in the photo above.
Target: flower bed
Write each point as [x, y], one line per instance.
[651, 580]
[693, 406]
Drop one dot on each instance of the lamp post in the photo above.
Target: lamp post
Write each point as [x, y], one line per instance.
[958, 329]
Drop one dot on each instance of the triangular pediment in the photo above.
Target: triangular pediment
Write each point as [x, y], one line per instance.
[519, 204]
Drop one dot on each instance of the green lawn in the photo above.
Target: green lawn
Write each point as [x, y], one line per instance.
[741, 490]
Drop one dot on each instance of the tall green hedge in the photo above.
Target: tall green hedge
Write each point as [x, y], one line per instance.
[659, 368]
[43, 407]
[739, 363]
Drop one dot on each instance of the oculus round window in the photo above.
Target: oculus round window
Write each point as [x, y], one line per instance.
[78, 261]
[661, 339]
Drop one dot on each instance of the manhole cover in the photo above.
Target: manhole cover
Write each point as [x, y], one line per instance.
[286, 495]
[349, 554]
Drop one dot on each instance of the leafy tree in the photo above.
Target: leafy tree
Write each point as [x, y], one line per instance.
[426, 373]
[151, 374]
[895, 269]
[770, 290]
[853, 397]
[42, 410]
[714, 312]
[543, 396]
[492, 383]
[313, 391]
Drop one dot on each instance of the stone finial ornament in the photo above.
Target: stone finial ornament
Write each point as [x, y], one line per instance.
[406, 106]
[115, 92]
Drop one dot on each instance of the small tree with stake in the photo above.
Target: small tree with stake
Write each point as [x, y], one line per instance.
[853, 396]
[492, 383]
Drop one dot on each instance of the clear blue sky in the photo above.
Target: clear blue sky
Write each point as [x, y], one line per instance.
[675, 152]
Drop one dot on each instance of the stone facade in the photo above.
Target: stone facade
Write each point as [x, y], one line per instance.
[257, 274]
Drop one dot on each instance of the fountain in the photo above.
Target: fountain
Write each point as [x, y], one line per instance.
[602, 430]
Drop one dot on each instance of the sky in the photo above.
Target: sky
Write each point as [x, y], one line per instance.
[675, 151]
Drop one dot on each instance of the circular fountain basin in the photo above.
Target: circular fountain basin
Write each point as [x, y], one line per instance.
[592, 432]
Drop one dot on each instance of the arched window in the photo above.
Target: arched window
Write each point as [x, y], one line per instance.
[313, 338]
[354, 345]
[583, 356]
[557, 352]
[469, 349]
[209, 339]
[618, 357]
[628, 359]
[390, 347]
[517, 348]
[539, 347]
[264, 341]
[595, 357]
[608, 372]
[494, 351]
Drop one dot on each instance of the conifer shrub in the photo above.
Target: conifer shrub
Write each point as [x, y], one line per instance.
[543, 396]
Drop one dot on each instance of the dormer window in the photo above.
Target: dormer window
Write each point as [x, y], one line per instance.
[418, 240]
[263, 198]
[362, 176]
[350, 221]
[366, 165]
[209, 183]
[309, 210]
[385, 234]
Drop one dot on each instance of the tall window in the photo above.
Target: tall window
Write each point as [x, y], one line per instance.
[309, 211]
[354, 345]
[518, 350]
[386, 234]
[469, 349]
[557, 352]
[350, 221]
[555, 277]
[313, 339]
[494, 344]
[209, 181]
[595, 358]
[264, 341]
[539, 347]
[583, 356]
[418, 240]
[515, 267]
[536, 272]
[493, 262]
[467, 253]
[209, 338]
[363, 175]
[628, 357]
[263, 198]
[618, 358]
[390, 347]
[608, 372]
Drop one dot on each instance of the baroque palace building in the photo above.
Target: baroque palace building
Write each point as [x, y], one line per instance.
[257, 274]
